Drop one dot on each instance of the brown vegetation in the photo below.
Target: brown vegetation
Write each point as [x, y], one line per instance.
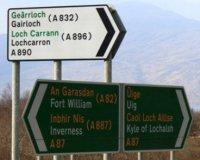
[190, 152]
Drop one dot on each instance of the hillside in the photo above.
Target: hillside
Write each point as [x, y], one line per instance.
[160, 47]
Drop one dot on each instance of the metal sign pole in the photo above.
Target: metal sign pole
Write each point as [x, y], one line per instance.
[57, 75]
[140, 156]
[71, 157]
[15, 110]
[108, 79]
[39, 158]
[57, 70]
[108, 70]
[171, 155]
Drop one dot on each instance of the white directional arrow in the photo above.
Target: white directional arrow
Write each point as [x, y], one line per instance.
[32, 118]
[186, 118]
[69, 32]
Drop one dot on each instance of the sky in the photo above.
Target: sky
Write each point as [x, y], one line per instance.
[186, 8]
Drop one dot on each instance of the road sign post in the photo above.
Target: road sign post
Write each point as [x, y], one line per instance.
[57, 75]
[108, 79]
[15, 110]
[156, 118]
[71, 157]
[140, 156]
[171, 155]
[72, 117]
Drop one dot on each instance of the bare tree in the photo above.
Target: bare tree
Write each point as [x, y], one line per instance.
[6, 96]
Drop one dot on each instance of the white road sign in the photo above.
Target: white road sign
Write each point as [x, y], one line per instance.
[59, 33]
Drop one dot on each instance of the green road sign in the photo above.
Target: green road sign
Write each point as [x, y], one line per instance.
[73, 117]
[155, 118]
